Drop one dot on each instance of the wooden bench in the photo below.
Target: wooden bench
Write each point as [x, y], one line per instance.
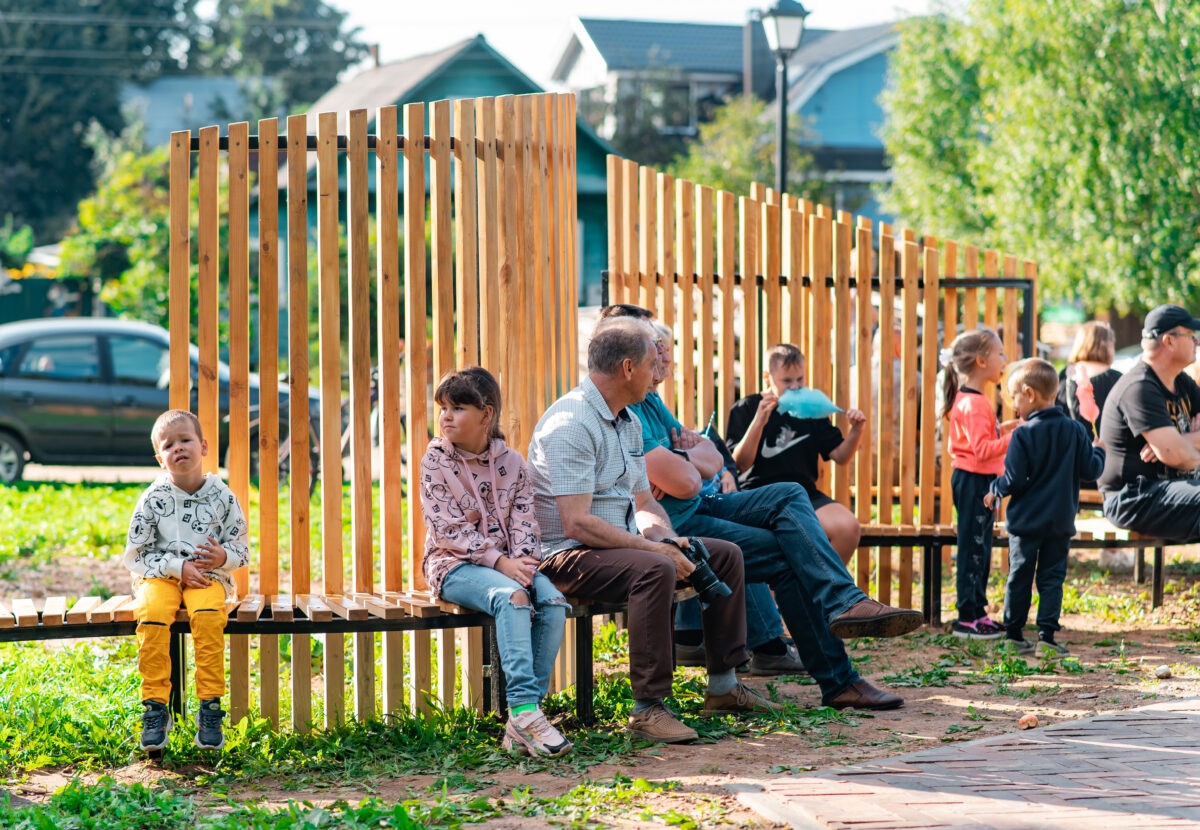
[932, 539]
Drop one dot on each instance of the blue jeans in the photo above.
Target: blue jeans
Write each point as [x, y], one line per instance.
[1039, 558]
[974, 561]
[784, 546]
[528, 640]
[762, 617]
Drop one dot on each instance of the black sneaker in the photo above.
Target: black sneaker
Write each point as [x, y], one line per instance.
[156, 724]
[980, 629]
[1021, 645]
[209, 734]
[1048, 648]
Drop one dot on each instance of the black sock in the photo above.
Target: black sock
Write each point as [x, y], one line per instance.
[1016, 636]
[1046, 636]
[772, 648]
[689, 637]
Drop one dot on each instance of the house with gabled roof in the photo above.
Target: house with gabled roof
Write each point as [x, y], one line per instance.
[472, 68]
[835, 80]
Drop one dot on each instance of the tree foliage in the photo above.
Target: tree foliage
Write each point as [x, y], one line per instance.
[123, 231]
[737, 148]
[1067, 132]
[302, 44]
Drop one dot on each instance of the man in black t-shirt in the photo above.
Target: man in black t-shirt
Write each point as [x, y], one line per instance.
[1151, 431]
[770, 446]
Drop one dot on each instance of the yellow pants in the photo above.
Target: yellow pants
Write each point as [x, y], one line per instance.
[159, 599]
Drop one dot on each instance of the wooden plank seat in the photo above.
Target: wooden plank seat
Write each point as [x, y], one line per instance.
[25, 619]
[1092, 533]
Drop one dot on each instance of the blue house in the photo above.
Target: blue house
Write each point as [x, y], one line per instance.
[185, 102]
[836, 77]
[473, 69]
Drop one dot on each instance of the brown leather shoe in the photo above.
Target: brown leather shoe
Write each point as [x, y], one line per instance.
[869, 618]
[658, 724]
[862, 695]
[741, 700]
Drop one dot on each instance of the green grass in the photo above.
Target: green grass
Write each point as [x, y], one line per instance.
[44, 522]
[108, 804]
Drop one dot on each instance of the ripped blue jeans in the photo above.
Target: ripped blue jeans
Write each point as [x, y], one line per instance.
[528, 641]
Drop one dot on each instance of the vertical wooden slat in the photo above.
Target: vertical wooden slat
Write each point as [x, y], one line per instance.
[820, 244]
[444, 317]
[268, 405]
[630, 230]
[571, 217]
[553, 278]
[209, 257]
[466, 231]
[179, 269]
[298, 425]
[509, 197]
[726, 254]
[885, 422]
[950, 297]
[648, 247]
[842, 315]
[794, 236]
[416, 380]
[706, 345]
[971, 297]
[387, 293]
[239, 386]
[526, 275]
[359, 268]
[771, 245]
[616, 238]
[1011, 322]
[748, 240]
[685, 244]
[862, 380]
[489, 236]
[330, 366]
[908, 410]
[666, 266]
[929, 362]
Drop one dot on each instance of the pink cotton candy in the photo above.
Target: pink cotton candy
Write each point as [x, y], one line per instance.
[1085, 394]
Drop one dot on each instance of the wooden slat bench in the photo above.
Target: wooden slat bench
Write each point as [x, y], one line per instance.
[933, 538]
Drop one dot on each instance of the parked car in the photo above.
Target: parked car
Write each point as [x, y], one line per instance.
[82, 390]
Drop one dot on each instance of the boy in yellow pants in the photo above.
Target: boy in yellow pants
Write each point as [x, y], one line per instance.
[187, 534]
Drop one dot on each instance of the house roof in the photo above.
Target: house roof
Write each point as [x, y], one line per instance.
[814, 62]
[691, 47]
[404, 81]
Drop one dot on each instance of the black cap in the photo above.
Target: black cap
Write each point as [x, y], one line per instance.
[1166, 317]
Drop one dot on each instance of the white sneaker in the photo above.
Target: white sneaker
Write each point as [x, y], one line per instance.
[530, 733]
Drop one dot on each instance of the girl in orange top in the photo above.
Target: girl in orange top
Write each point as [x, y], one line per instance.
[977, 446]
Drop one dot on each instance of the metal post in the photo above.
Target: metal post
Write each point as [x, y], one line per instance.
[781, 126]
[178, 652]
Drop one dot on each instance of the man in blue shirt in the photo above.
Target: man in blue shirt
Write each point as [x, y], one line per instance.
[782, 545]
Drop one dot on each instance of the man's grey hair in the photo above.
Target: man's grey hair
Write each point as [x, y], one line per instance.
[615, 339]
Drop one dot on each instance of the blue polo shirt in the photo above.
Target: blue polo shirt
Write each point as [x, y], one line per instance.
[657, 423]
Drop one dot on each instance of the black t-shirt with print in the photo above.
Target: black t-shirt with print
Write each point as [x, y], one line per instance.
[789, 446]
[1138, 403]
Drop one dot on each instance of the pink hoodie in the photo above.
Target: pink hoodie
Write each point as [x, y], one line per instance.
[464, 520]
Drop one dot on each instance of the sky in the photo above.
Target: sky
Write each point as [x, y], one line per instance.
[533, 33]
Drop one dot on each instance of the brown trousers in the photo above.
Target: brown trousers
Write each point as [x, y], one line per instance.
[645, 582]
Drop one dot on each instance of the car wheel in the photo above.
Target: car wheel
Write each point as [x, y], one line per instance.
[12, 458]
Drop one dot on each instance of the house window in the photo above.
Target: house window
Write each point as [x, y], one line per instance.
[676, 112]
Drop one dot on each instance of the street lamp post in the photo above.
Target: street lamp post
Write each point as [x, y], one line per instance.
[783, 24]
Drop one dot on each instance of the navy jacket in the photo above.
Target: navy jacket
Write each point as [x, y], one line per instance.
[1047, 458]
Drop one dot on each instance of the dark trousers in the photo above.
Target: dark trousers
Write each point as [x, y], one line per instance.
[1030, 559]
[974, 561]
[1169, 508]
[645, 581]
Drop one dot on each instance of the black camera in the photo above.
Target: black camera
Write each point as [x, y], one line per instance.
[709, 587]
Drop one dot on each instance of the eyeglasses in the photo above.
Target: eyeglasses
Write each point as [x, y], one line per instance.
[1189, 334]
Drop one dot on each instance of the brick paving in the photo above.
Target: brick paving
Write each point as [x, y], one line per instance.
[1132, 769]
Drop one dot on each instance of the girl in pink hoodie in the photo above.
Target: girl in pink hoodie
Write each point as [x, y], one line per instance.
[482, 549]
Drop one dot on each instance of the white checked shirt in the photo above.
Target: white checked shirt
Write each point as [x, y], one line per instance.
[579, 446]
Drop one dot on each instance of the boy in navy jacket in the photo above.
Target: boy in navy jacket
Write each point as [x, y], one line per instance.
[1047, 458]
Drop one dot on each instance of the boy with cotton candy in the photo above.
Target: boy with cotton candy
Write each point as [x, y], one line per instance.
[771, 444]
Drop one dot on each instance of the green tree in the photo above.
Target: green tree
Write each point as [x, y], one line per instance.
[302, 44]
[1066, 132]
[123, 229]
[737, 148]
[61, 66]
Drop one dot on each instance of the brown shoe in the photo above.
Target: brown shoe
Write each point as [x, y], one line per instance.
[862, 695]
[658, 724]
[874, 619]
[739, 701]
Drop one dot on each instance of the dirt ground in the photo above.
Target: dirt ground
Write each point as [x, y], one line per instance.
[1117, 661]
